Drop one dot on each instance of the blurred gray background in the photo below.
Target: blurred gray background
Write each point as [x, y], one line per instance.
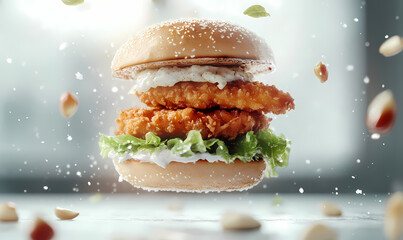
[45, 46]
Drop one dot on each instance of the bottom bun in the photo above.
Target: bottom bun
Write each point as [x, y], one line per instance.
[201, 176]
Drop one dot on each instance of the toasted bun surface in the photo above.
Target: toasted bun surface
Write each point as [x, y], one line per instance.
[201, 176]
[193, 41]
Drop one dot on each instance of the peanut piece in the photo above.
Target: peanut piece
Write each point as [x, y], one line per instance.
[42, 230]
[238, 221]
[391, 46]
[394, 216]
[320, 71]
[319, 232]
[65, 214]
[330, 209]
[8, 213]
[68, 104]
[381, 113]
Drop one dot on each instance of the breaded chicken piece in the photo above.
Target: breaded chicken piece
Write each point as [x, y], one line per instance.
[247, 96]
[166, 123]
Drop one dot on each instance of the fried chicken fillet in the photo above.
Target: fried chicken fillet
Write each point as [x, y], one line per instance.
[246, 96]
[223, 124]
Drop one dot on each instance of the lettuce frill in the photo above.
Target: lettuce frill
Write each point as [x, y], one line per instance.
[247, 147]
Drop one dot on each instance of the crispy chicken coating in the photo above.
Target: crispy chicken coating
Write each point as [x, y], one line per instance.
[165, 123]
[247, 96]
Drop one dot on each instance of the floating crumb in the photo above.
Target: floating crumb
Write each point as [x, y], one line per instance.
[330, 209]
[391, 46]
[321, 72]
[319, 232]
[393, 224]
[68, 104]
[8, 212]
[41, 230]
[232, 220]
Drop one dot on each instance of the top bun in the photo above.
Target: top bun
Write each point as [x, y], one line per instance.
[187, 42]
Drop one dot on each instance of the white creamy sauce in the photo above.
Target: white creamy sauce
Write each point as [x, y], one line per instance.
[169, 76]
[163, 157]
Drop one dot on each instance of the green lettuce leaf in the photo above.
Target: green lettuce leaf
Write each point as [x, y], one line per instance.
[247, 147]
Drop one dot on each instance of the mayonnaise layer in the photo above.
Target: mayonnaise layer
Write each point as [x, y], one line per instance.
[169, 76]
[163, 158]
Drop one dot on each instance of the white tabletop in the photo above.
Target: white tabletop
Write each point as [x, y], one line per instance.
[146, 215]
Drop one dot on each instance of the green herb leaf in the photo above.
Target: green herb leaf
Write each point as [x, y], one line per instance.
[256, 11]
[72, 2]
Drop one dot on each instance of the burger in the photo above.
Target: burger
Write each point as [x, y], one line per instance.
[204, 128]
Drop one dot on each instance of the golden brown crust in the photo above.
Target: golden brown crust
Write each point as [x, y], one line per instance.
[201, 176]
[247, 96]
[224, 124]
[192, 39]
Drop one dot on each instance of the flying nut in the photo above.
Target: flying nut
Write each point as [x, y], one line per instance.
[319, 232]
[391, 46]
[330, 209]
[394, 216]
[320, 71]
[8, 212]
[238, 221]
[41, 230]
[68, 104]
[65, 214]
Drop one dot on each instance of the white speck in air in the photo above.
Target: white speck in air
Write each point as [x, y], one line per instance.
[345, 25]
[89, 183]
[355, 19]
[366, 80]
[353, 177]
[375, 136]
[45, 188]
[69, 138]
[78, 173]
[94, 90]
[9, 60]
[367, 44]
[115, 89]
[358, 161]
[397, 17]
[358, 191]
[350, 68]
[383, 85]
[79, 76]
[386, 36]
[308, 161]
[62, 46]
[301, 190]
